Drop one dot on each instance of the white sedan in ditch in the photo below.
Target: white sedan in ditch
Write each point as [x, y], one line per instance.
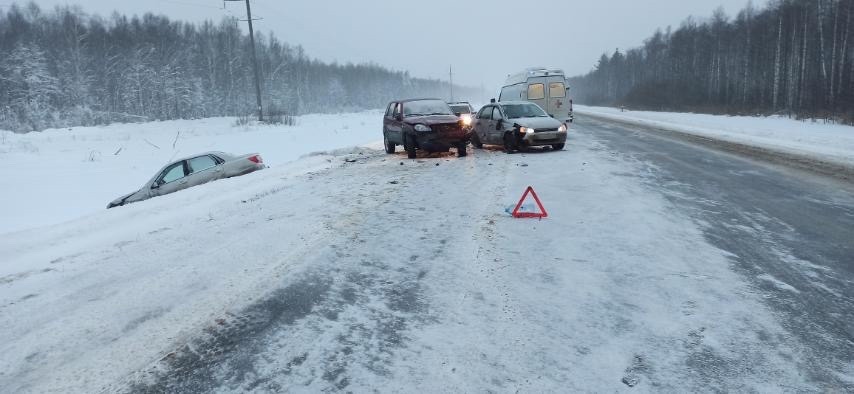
[193, 171]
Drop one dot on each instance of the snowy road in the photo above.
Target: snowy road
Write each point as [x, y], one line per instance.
[662, 266]
[790, 233]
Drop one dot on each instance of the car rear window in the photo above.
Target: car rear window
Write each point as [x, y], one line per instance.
[463, 109]
[202, 163]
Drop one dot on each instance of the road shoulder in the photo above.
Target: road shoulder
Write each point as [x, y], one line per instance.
[811, 163]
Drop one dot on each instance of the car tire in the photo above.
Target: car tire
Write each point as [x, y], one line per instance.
[558, 146]
[389, 146]
[409, 147]
[461, 149]
[475, 141]
[509, 144]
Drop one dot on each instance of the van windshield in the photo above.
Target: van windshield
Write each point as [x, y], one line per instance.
[514, 111]
[426, 107]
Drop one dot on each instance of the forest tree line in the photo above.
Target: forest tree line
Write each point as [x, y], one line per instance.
[65, 68]
[793, 57]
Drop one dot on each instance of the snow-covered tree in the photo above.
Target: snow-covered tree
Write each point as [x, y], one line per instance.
[64, 67]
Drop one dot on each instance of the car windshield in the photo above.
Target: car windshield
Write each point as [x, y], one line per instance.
[513, 111]
[461, 109]
[426, 107]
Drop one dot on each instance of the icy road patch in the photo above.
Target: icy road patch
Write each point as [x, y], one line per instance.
[381, 272]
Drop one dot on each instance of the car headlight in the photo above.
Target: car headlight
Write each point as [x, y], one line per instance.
[562, 128]
[525, 130]
[466, 119]
[422, 128]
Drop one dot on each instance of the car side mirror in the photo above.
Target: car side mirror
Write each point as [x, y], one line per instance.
[500, 124]
[398, 117]
[155, 185]
[458, 114]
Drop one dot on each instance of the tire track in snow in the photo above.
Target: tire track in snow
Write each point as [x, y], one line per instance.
[345, 316]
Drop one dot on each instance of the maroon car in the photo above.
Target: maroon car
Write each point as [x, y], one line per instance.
[426, 124]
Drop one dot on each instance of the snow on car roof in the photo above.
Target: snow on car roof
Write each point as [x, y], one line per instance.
[222, 155]
[416, 99]
[515, 102]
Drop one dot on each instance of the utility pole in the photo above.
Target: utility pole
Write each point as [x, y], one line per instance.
[254, 60]
[451, 75]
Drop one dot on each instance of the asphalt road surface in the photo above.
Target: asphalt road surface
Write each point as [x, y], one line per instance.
[789, 232]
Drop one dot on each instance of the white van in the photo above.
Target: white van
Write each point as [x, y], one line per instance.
[546, 88]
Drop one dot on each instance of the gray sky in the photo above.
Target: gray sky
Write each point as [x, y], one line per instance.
[484, 40]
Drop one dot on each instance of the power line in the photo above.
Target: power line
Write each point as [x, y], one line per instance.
[451, 75]
[254, 58]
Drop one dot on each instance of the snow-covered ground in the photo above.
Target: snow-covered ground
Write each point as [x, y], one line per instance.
[62, 174]
[823, 141]
[376, 272]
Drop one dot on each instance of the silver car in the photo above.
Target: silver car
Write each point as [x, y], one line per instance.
[517, 125]
[193, 171]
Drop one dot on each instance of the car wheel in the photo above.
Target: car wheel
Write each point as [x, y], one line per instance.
[558, 146]
[475, 141]
[509, 143]
[461, 149]
[389, 146]
[409, 147]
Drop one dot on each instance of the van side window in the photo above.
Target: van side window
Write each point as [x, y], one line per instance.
[396, 110]
[389, 110]
[485, 113]
[557, 90]
[536, 91]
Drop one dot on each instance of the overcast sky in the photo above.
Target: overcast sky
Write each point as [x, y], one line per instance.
[484, 39]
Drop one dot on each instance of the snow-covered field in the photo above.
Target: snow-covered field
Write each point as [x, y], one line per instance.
[823, 141]
[372, 272]
[62, 174]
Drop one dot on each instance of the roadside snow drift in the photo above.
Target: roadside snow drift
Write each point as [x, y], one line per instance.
[62, 174]
[822, 141]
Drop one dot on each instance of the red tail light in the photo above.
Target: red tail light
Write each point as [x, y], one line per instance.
[256, 159]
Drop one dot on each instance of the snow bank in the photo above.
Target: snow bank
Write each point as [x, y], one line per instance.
[62, 174]
[822, 141]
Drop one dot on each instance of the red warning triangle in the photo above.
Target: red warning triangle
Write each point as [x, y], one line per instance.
[524, 215]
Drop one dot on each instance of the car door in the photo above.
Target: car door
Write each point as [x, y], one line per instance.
[387, 120]
[203, 169]
[496, 129]
[483, 123]
[558, 105]
[171, 179]
[394, 128]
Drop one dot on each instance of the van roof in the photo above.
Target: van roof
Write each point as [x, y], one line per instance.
[523, 76]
